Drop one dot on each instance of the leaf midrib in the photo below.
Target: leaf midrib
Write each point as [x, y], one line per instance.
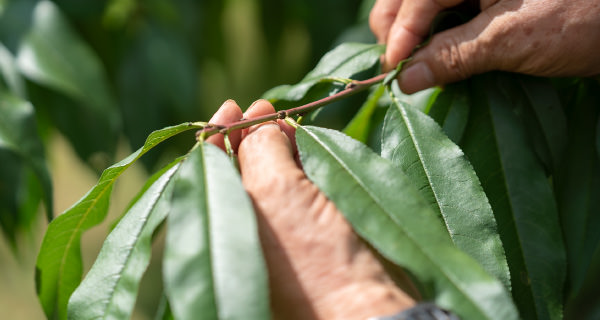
[141, 229]
[417, 147]
[409, 236]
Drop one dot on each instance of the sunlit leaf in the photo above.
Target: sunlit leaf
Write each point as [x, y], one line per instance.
[387, 210]
[421, 100]
[58, 265]
[19, 137]
[360, 126]
[521, 198]
[444, 177]
[9, 72]
[213, 264]
[337, 66]
[110, 288]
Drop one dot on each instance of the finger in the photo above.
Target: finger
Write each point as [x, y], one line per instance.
[461, 52]
[410, 27]
[267, 162]
[382, 17]
[227, 113]
[259, 108]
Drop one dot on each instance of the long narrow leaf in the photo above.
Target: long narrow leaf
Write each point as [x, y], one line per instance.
[524, 206]
[577, 186]
[360, 126]
[387, 210]
[444, 177]
[341, 63]
[451, 110]
[110, 288]
[549, 114]
[58, 266]
[213, 265]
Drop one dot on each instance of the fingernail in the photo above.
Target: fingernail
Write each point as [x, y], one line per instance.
[416, 78]
[259, 127]
[221, 109]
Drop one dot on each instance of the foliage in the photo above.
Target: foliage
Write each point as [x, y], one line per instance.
[486, 191]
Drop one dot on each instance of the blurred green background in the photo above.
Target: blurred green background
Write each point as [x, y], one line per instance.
[101, 75]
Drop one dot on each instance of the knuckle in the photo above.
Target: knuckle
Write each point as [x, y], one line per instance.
[452, 57]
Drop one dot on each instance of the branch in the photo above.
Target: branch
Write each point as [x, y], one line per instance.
[351, 88]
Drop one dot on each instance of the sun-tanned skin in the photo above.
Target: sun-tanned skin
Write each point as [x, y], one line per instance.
[318, 268]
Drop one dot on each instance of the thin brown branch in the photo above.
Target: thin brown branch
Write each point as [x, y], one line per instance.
[350, 89]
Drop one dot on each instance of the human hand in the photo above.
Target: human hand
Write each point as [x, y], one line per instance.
[318, 268]
[537, 37]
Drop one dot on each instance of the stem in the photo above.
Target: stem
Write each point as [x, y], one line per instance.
[351, 88]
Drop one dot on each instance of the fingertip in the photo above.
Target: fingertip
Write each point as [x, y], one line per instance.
[227, 113]
[258, 108]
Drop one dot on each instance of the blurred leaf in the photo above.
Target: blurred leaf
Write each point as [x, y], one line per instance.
[10, 73]
[521, 198]
[110, 288]
[53, 56]
[162, 92]
[341, 63]
[360, 126]
[18, 135]
[213, 264]
[577, 186]
[58, 267]
[446, 180]
[450, 110]
[386, 209]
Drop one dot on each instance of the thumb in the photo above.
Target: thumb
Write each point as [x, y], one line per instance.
[267, 162]
[453, 55]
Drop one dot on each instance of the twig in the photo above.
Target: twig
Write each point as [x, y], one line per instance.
[351, 88]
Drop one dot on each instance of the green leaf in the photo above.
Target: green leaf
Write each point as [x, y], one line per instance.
[52, 55]
[421, 100]
[213, 264]
[386, 209]
[344, 62]
[110, 288]
[515, 183]
[158, 90]
[546, 106]
[19, 136]
[58, 265]
[577, 186]
[360, 126]
[451, 110]
[444, 177]
[10, 73]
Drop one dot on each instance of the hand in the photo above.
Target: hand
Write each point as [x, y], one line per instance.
[318, 268]
[537, 37]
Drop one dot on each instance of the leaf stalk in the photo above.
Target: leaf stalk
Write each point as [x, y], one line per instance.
[353, 87]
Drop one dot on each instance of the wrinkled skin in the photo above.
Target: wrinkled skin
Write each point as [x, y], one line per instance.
[318, 268]
[551, 38]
